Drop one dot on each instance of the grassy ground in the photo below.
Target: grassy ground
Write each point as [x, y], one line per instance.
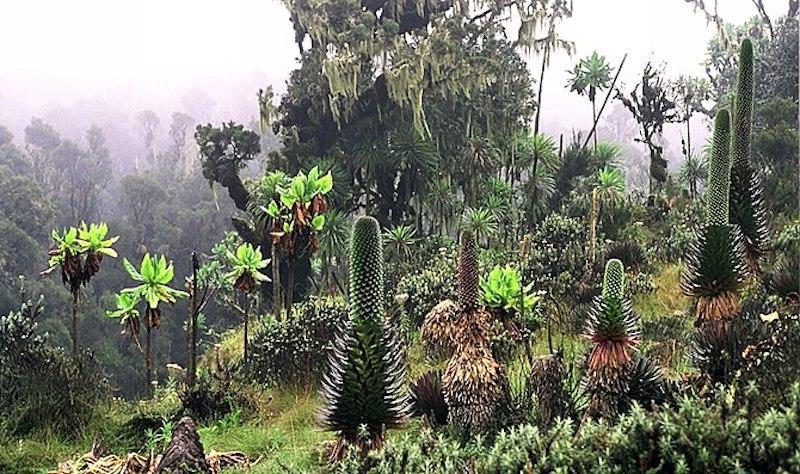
[282, 435]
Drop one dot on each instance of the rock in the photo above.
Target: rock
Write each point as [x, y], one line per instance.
[184, 454]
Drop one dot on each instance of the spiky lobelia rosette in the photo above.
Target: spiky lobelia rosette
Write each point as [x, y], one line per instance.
[363, 390]
[715, 267]
[437, 330]
[429, 398]
[468, 272]
[612, 325]
[746, 200]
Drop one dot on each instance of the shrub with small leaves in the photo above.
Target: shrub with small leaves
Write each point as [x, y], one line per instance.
[429, 286]
[295, 348]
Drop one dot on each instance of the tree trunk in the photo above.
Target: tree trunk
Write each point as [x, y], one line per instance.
[688, 135]
[185, 451]
[246, 355]
[191, 327]
[536, 122]
[592, 229]
[594, 121]
[148, 362]
[289, 293]
[74, 329]
[277, 304]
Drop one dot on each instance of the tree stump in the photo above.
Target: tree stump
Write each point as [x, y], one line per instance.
[184, 454]
[546, 385]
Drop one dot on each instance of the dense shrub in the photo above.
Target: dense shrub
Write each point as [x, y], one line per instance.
[557, 257]
[680, 227]
[721, 434]
[421, 290]
[296, 347]
[206, 401]
[42, 387]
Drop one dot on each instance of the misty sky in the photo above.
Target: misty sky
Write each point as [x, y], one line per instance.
[132, 55]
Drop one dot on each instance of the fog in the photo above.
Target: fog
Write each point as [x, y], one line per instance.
[86, 62]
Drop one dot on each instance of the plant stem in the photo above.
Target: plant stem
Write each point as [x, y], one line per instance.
[592, 229]
[74, 323]
[148, 363]
[192, 325]
[277, 304]
[289, 293]
[246, 357]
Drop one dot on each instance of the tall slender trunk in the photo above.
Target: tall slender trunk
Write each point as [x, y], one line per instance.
[289, 293]
[539, 94]
[592, 229]
[148, 361]
[74, 329]
[594, 120]
[246, 356]
[191, 328]
[277, 304]
[688, 134]
[536, 122]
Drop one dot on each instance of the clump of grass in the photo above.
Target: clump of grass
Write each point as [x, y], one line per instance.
[668, 297]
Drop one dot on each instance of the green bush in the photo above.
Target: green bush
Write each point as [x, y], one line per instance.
[722, 433]
[557, 256]
[422, 290]
[291, 349]
[42, 387]
[681, 225]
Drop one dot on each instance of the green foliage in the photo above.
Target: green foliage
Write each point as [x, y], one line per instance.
[155, 275]
[606, 155]
[400, 240]
[44, 389]
[225, 150]
[247, 264]
[746, 204]
[304, 188]
[503, 290]
[362, 389]
[715, 265]
[692, 171]
[294, 349]
[426, 285]
[610, 185]
[66, 250]
[557, 256]
[79, 251]
[92, 239]
[481, 222]
[613, 319]
[719, 172]
[721, 434]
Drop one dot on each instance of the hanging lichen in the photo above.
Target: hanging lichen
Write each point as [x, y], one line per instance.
[342, 71]
[404, 83]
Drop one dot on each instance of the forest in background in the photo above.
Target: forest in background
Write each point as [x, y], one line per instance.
[428, 151]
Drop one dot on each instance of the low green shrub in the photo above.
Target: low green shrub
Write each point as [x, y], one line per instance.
[420, 291]
[720, 433]
[295, 348]
[42, 387]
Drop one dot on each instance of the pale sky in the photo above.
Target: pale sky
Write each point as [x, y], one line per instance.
[149, 53]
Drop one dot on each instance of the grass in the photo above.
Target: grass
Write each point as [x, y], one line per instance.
[282, 436]
[667, 298]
